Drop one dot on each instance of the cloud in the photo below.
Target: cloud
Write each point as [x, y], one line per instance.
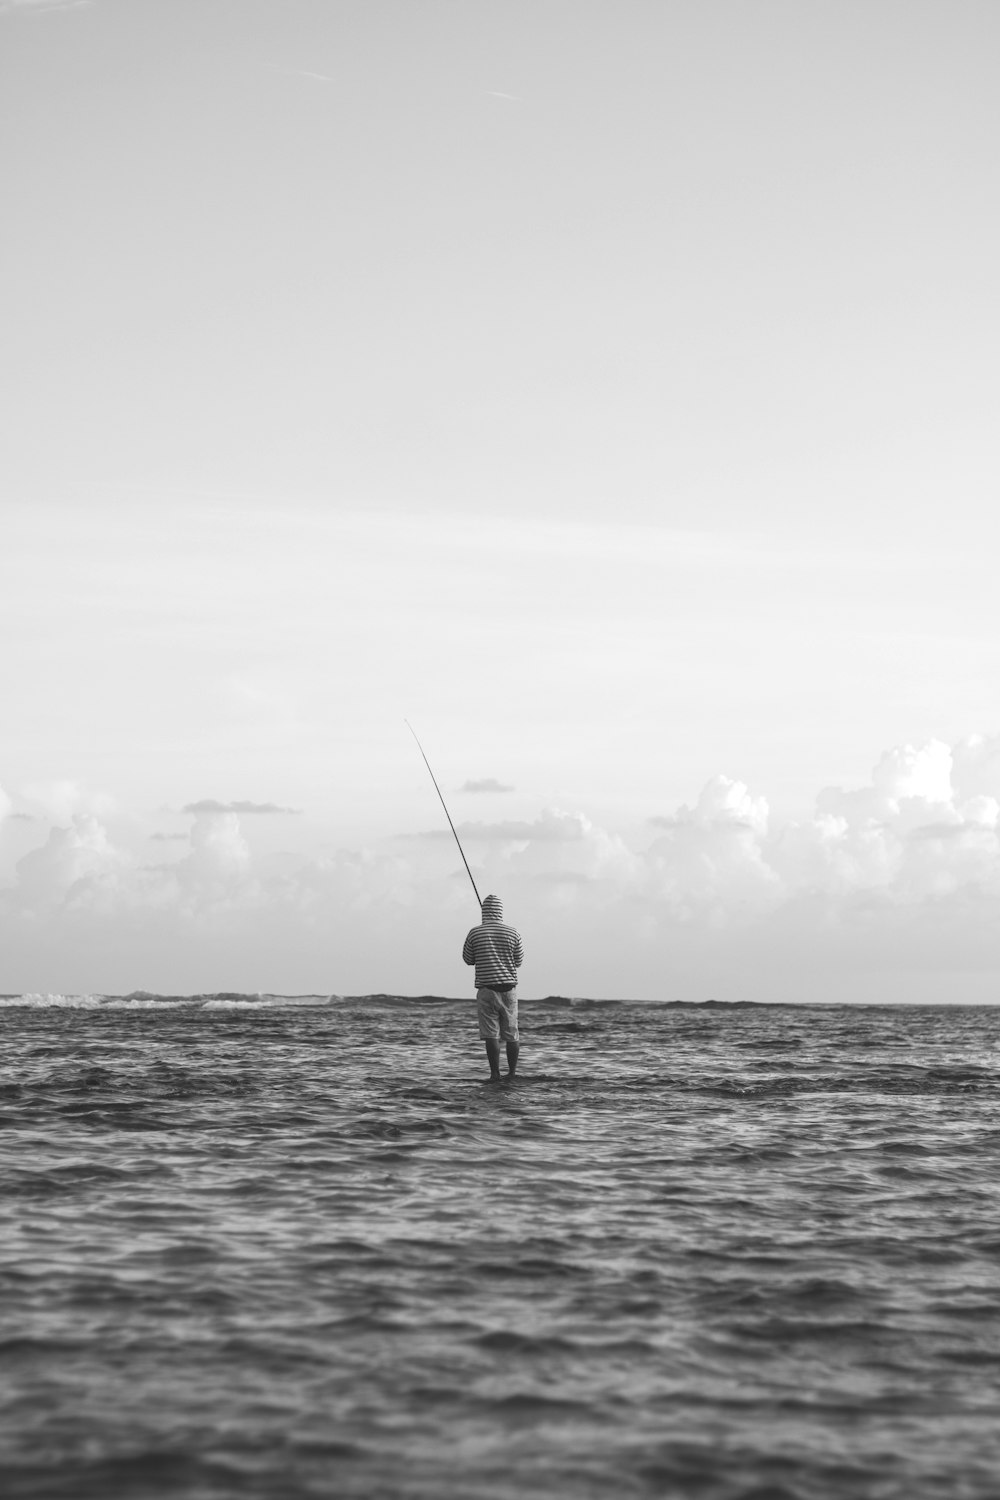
[220, 856]
[167, 838]
[917, 832]
[5, 807]
[486, 784]
[723, 803]
[77, 863]
[80, 868]
[975, 767]
[712, 855]
[552, 826]
[910, 785]
[62, 799]
[900, 876]
[209, 805]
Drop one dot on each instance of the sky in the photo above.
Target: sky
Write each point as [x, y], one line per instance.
[607, 389]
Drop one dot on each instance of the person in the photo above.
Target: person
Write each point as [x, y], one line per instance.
[496, 951]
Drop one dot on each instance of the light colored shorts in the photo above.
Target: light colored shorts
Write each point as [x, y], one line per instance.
[497, 1016]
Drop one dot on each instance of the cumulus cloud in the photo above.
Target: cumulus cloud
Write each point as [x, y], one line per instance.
[209, 805]
[909, 784]
[220, 855]
[712, 855]
[902, 872]
[917, 832]
[921, 838]
[80, 867]
[593, 865]
[723, 803]
[5, 806]
[485, 784]
[77, 863]
[925, 826]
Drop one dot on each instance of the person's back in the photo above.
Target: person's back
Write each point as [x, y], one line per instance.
[497, 952]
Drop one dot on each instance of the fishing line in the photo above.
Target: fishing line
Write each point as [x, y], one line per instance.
[446, 812]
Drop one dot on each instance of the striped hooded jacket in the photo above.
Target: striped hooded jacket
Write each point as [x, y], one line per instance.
[494, 948]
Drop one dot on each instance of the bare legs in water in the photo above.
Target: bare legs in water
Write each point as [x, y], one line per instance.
[493, 1053]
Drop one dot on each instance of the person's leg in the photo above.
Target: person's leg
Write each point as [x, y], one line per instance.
[509, 1031]
[493, 1053]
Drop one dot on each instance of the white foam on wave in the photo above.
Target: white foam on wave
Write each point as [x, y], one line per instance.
[38, 1000]
[265, 1001]
[131, 1002]
[146, 1000]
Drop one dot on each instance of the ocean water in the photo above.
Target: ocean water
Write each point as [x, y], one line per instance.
[297, 1247]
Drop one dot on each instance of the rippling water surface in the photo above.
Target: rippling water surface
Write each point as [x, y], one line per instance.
[301, 1248]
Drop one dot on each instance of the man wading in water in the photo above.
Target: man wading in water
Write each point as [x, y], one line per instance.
[495, 949]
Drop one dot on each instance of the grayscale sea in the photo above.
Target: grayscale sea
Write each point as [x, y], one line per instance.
[298, 1247]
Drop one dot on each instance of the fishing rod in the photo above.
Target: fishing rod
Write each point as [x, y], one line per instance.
[446, 812]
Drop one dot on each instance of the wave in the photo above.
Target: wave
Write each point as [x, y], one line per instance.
[212, 1000]
[148, 1000]
[220, 999]
[266, 999]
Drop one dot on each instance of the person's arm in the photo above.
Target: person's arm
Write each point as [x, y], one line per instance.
[518, 951]
[469, 949]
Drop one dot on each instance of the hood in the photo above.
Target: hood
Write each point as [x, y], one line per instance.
[492, 909]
